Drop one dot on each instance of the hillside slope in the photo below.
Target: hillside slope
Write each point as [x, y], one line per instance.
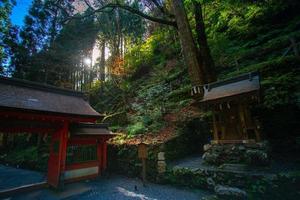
[155, 98]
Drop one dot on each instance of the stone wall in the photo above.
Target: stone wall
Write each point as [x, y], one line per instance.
[123, 159]
[257, 185]
[249, 153]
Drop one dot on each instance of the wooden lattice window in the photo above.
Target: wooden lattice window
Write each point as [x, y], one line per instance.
[81, 153]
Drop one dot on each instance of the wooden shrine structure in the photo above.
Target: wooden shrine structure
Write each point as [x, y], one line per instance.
[78, 145]
[230, 101]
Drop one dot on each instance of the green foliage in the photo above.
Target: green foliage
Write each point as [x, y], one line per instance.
[27, 154]
[246, 19]
[110, 99]
[155, 50]
[281, 89]
[124, 159]
[137, 128]
[185, 177]
[30, 157]
[282, 186]
[6, 29]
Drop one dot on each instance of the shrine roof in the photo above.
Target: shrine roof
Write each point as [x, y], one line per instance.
[241, 85]
[32, 96]
[91, 129]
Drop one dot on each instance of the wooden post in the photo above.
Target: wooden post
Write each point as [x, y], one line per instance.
[64, 143]
[57, 157]
[143, 154]
[104, 153]
[215, 125]
[241, 110]
[144, 171]
[99, 155]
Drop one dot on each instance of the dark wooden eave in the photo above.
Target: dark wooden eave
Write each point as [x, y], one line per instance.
[90, 129]
[29, 96]
[241, 87]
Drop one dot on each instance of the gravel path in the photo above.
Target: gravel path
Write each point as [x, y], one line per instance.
[115, 188]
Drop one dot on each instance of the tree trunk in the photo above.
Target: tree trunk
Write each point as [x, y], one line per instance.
[205, 54]
[189, 48]
[102, 61]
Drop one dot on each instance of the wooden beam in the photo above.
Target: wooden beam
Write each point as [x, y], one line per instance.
[82, 165]
[25, 115]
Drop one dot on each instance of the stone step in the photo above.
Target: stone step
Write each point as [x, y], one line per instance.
[235, 167]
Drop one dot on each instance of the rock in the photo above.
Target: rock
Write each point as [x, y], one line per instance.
[161, 156]
[255, 157]
[210, 182]
[211, 197]
[250, 153]
[210, 158]
[225, 192]
[161, 166]
[234, 167]
[242, 148]
[206, 147]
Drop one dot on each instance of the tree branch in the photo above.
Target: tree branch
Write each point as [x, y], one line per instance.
[161, 8]
[129, 9]
[88, 4]
[106, 116]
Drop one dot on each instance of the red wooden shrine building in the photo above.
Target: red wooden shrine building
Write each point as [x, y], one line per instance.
[78, 145]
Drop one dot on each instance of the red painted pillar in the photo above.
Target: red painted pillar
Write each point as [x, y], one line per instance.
[64, 138]
[104, 153]
[99, 155]
[57, 157]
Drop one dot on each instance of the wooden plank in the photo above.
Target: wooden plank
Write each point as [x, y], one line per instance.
[81, 172]
[82, 165]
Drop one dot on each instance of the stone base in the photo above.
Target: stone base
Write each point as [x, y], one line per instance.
[242, 153]
[225, 192]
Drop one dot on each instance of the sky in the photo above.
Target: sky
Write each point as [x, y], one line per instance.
[21, 9]
[19, 12]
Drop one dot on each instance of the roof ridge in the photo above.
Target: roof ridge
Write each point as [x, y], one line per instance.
[241, 77]
[40, 86]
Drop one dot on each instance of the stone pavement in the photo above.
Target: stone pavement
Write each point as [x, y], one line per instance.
[12, 177]
[114, 188]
